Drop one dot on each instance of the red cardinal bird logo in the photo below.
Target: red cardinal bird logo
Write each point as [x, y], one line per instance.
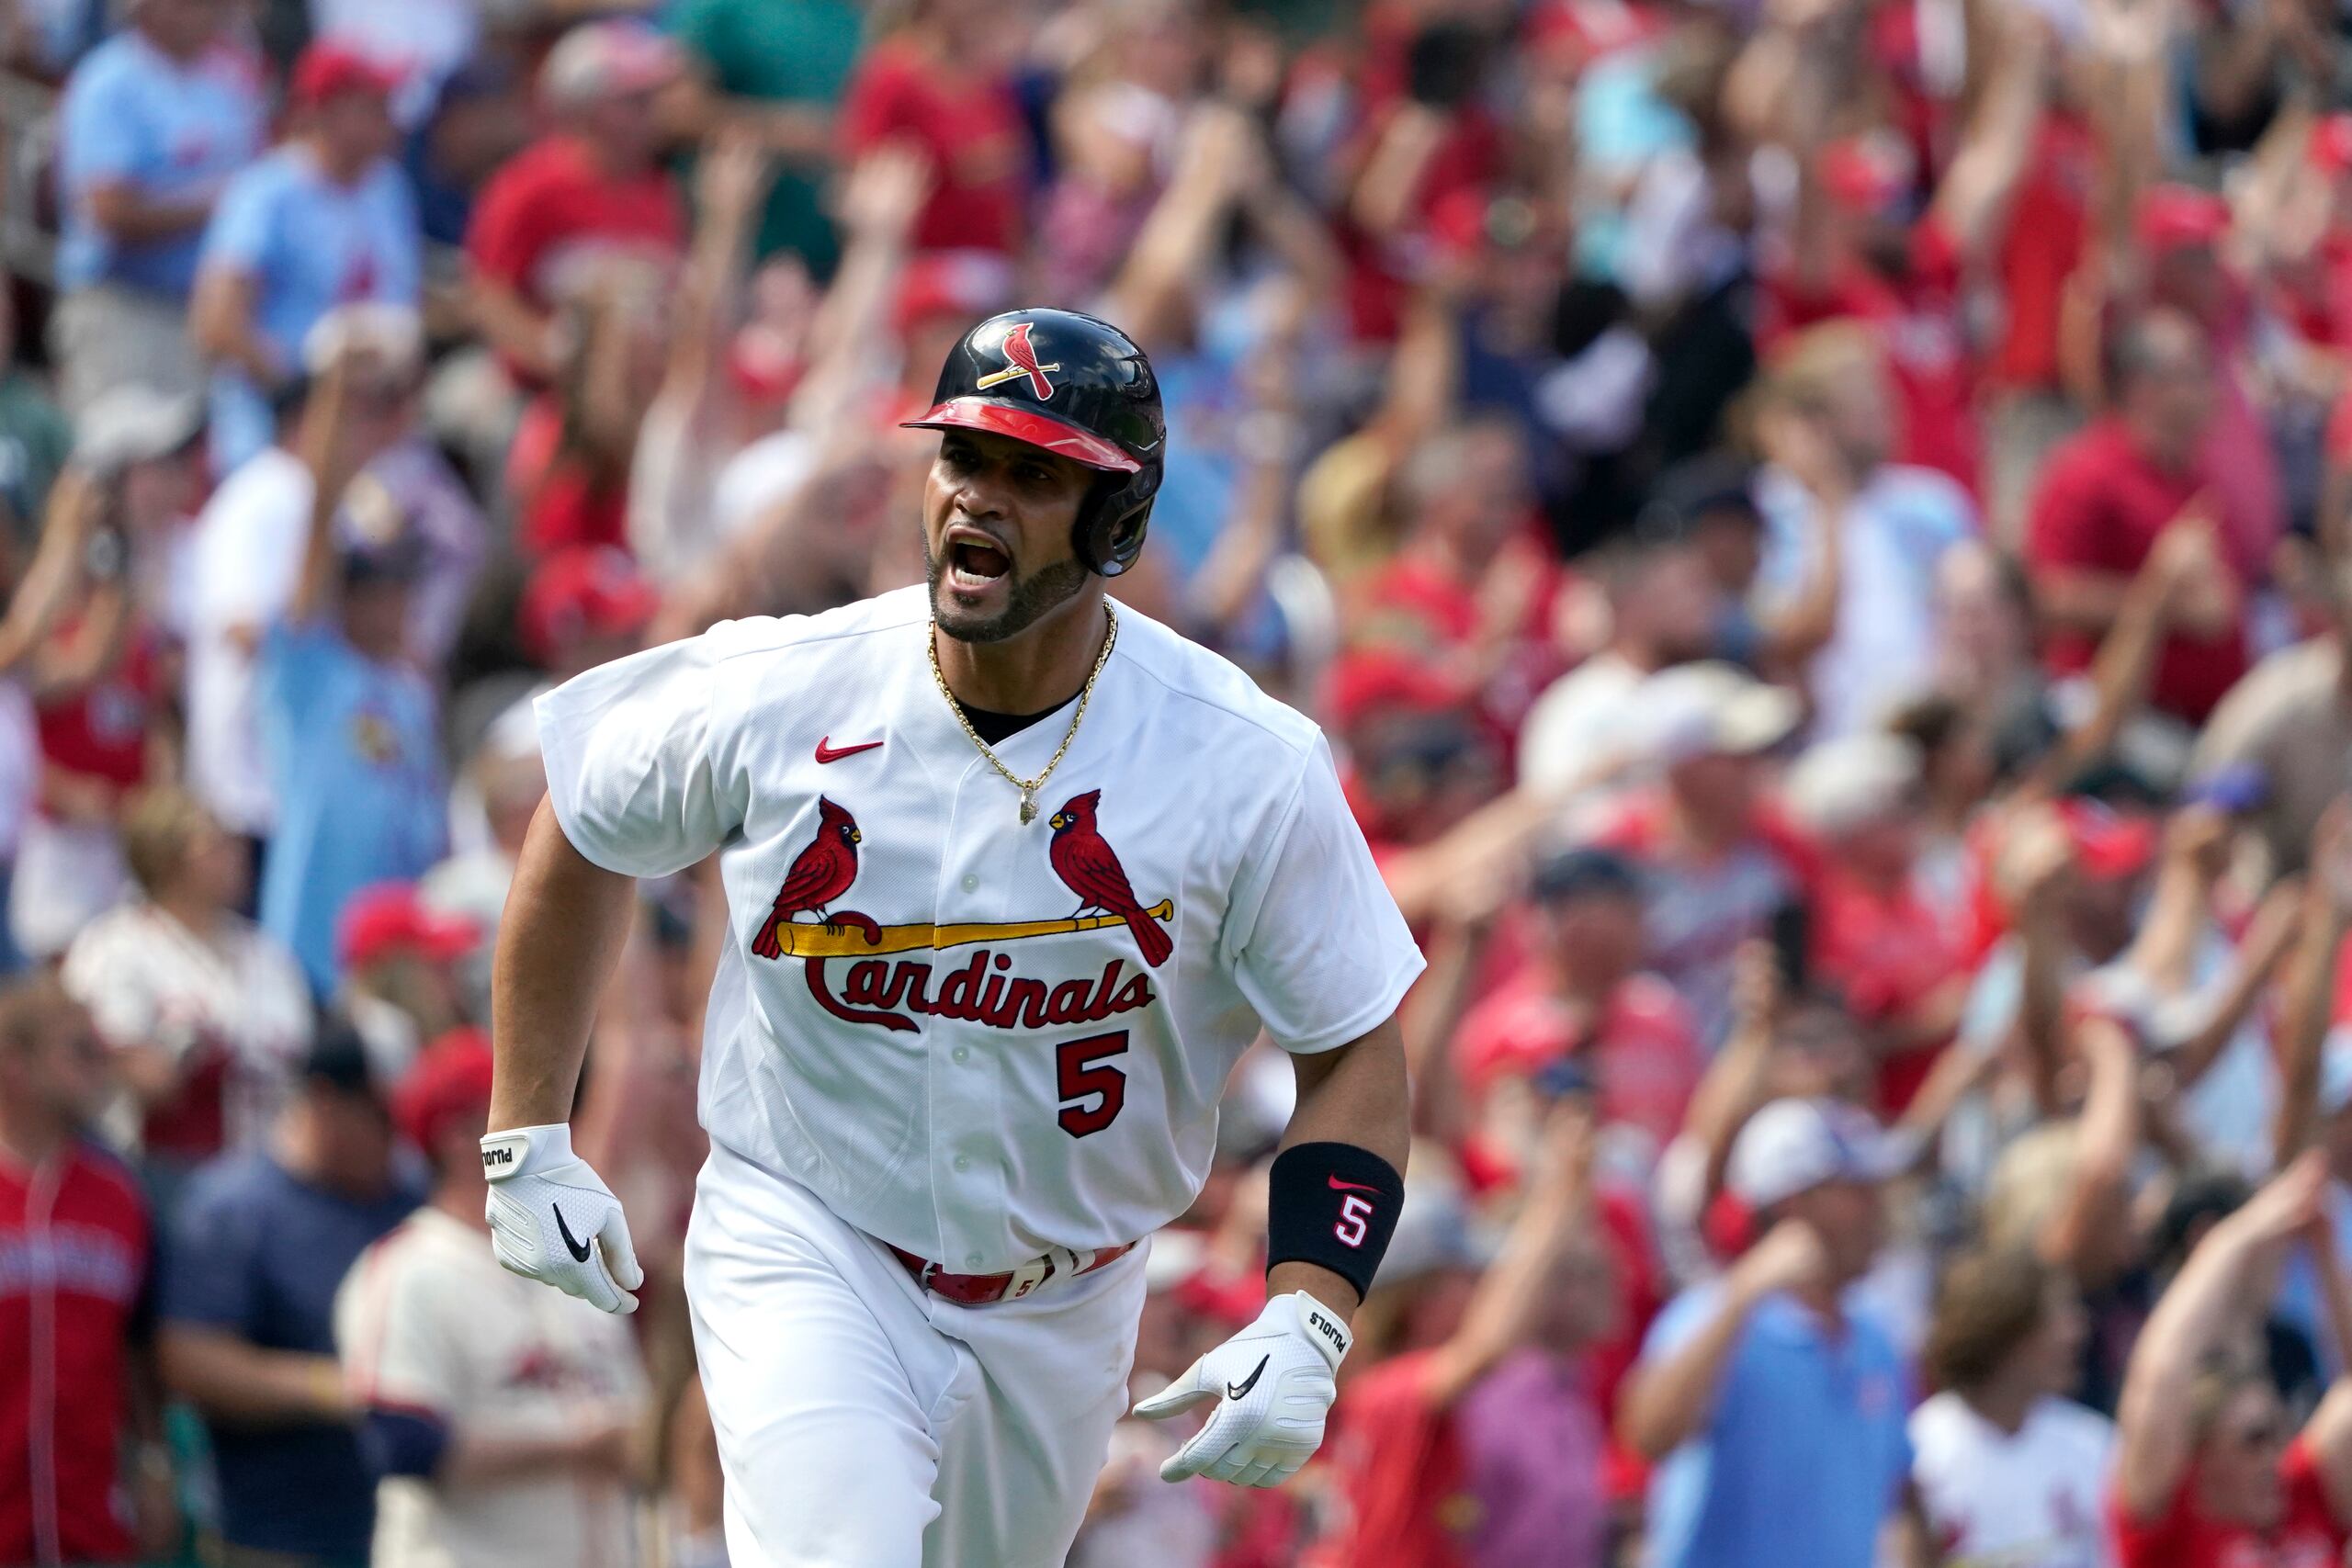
[1021, 359]
[819, 873]
[1083, 861]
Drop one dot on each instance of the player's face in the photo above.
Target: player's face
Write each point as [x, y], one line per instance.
[997, 515]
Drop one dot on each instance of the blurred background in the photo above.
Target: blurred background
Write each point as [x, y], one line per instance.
[1817, 528]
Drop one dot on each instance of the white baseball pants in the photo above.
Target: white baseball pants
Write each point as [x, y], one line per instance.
[864, 1423]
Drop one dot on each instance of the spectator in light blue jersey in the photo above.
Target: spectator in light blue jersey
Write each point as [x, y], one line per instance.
[153, 123]
[350, 728]
[1776, 1413]
[326, 220]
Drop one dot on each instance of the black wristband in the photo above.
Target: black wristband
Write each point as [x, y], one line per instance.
[1333, 1205]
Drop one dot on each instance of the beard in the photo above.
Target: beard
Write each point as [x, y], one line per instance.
[1033, 598]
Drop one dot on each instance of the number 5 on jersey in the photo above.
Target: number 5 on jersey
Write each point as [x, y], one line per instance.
[1082, 1072]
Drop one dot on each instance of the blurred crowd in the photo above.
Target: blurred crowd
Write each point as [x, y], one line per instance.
[1821, 532]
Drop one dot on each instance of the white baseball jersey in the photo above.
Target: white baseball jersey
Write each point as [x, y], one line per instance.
[236, 1006]
[427, 1322]
[953, 1027]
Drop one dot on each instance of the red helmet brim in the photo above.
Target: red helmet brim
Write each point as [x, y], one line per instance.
[1038, 429]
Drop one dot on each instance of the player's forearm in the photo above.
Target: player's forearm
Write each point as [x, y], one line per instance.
[1355, 1095]
[234, 1381]
[1668, 1401]
[129, 217]
[565, 920]
[484, 1459]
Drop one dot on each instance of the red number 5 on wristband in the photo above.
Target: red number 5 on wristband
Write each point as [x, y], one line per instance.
[1353, 1213]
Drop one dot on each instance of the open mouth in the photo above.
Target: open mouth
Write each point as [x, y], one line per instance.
[974, 562]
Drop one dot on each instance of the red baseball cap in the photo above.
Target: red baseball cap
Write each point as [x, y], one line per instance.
[2175, 217]
[449, 1078]
[585, 591]
[1374, 681]
[2107, 844]
[327, 69]
[955, 284]
[389, 919]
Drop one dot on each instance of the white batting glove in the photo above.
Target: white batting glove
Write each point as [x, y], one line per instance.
[553, 1220]
[1273, 1382]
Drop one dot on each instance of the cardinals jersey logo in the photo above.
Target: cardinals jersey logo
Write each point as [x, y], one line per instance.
[984, 988]
[820, 874]
[1088, 866]
[1021, 359]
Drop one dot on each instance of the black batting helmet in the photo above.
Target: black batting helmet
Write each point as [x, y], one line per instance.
[1076, 387]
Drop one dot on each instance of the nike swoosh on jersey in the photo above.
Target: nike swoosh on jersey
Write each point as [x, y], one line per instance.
[1339, 1186]
[827, 752]
[1241, 1390]
[578, 1249]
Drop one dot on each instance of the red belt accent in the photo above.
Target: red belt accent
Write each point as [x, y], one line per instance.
[979, 1290]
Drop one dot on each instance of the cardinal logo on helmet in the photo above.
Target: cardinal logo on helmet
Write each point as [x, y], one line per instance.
[1021, 359]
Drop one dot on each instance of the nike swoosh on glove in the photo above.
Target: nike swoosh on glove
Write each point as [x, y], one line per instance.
[1273, 1384]
[552, 1218]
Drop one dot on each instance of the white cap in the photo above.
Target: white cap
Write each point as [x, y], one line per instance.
[394, 334]
[607, 59]
[1849, 782]
[133, 424]
[1795, 1145]
[1710, 709]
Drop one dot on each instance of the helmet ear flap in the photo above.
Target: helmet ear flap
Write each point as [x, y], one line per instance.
[1109, 533]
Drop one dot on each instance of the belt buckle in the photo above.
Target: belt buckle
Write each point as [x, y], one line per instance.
[1027, 1277]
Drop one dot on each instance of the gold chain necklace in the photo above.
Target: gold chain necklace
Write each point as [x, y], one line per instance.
[1028, 787]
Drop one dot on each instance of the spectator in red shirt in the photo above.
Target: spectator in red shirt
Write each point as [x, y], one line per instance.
[2209, 1473]
[1877, 936]
[75, 1304]
[1481, 1448]
[1581, 999]
[940, 83]
[2111, 491]
[591, 193]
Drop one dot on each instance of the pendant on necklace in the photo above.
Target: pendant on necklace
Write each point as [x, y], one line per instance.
[1028, 806]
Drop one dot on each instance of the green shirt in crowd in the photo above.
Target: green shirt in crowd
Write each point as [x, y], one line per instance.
[35, 441]
[779, 51]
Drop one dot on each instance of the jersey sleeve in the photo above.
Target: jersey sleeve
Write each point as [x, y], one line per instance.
[398, 1353]
[211, 1276]
[504, 237]
[113, 986]
[629, 751]
[237, 239]
[101, 139]
[1317, 943]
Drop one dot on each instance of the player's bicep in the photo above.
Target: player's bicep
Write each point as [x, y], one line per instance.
[1316, 942]
[632, 770]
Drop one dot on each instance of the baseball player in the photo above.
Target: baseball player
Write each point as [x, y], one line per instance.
[1013, 875]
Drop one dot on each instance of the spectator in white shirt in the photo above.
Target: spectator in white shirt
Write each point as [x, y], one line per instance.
[497, 1416]
[207, 1015]
[2008, 1471]
[1838, 514]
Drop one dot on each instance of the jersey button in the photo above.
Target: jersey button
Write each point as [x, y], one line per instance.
[971, 1260]
[962, 1162]
[961, 1052]
[970, 882]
